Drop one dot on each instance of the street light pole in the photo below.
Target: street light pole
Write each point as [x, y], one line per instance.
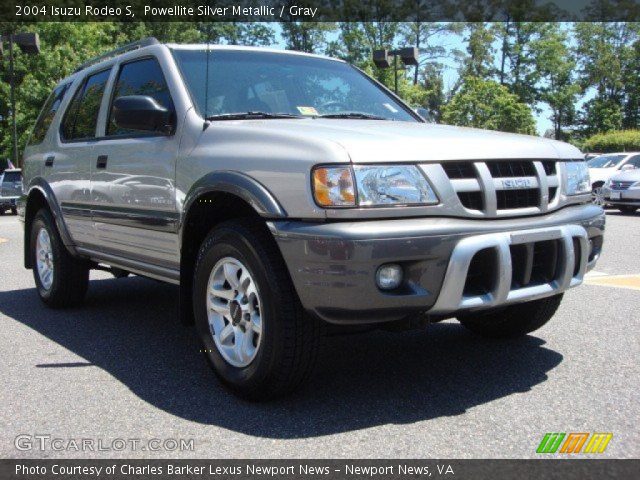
[13, 103]
[408, 55]
[395, 74]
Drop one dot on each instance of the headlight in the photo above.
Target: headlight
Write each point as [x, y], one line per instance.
[577, 180]
[333, 187]
[385, 185]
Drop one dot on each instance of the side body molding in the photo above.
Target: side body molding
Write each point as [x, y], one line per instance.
[40, 185]
[236, 183]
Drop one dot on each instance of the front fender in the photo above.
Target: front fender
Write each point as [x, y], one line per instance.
[236, 183]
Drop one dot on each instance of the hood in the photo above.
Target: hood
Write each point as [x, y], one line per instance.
[370, 141]
[627, 176]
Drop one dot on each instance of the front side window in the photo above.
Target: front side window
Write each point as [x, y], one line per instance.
[48, 112]
[142, 77]
[81, 118]
[274, 83]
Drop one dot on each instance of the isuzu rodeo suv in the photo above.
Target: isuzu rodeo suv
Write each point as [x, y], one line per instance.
[284, 192]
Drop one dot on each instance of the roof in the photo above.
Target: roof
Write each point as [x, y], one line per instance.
[204, 46]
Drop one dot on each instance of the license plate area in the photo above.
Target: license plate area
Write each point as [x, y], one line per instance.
[615, 196]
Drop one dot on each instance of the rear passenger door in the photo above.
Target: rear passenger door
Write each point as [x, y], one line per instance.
[132, 184]
[68, 164]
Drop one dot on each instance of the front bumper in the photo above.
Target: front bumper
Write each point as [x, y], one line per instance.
[630, 196]
[333, 265]
[8, 202]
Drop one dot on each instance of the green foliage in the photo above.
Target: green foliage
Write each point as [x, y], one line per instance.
[487, 104]
[310, 37]
[619, 141]
[609, 60]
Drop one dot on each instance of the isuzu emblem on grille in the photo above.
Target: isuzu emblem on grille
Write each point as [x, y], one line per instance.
[516, 183]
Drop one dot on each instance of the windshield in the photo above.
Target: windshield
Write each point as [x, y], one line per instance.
[605, 161]
[12, 177]
[274, 83]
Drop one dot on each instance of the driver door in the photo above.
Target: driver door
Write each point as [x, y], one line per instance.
[132, 181]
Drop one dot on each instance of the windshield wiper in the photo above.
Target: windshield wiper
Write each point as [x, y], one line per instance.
[356, 115]
[251, 116]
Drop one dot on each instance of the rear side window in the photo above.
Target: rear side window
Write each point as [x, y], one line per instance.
[48, 112]
[81, 118]
[142, 77]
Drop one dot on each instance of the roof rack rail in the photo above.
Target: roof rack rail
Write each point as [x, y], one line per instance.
[145, 42]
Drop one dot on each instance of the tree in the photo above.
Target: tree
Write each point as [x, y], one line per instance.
[557, 88]
[487, 104]
[64, 46]
[520, 64]
[425, 36]
[479, 61]
[607, 56]
[308, 37]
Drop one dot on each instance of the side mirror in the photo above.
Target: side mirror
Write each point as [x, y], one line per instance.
[140, 112]
[628, 167]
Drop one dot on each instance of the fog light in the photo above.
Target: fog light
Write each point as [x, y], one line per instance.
[389, 276]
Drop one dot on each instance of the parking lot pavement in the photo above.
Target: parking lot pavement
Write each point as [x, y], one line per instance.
[123, 367]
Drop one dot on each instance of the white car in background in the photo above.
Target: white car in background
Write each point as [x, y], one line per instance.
[603, 167]
[622, 190]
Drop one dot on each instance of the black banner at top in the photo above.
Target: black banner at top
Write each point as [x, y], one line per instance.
[320, 10]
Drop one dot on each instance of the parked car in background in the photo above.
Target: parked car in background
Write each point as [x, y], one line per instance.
[623, 190]
[10, 190]
[604, 167]
[589, 156]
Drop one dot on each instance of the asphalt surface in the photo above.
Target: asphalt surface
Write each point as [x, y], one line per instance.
[122, 367]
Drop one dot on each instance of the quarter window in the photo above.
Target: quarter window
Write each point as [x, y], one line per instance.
[142, 77]
[81, 118]
[48, 112]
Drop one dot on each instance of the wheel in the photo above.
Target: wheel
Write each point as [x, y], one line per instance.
[597, 195]
[627, 208]
[61, 279]
[514, 320]
[14, 210]
[253, 329]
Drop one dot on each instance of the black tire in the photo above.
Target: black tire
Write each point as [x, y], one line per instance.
[70, 275]
[289, 339]
[628, 209]
[14, 210]
[514, 320]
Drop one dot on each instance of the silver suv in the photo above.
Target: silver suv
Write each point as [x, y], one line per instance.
[283, 192]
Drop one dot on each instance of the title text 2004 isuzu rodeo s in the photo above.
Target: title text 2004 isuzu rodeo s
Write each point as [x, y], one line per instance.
[282, 191]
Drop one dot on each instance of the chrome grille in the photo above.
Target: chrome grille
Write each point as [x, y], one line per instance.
[620, 185]
[502, 187]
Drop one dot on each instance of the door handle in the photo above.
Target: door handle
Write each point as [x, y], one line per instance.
[48, 162]
[102, 161]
